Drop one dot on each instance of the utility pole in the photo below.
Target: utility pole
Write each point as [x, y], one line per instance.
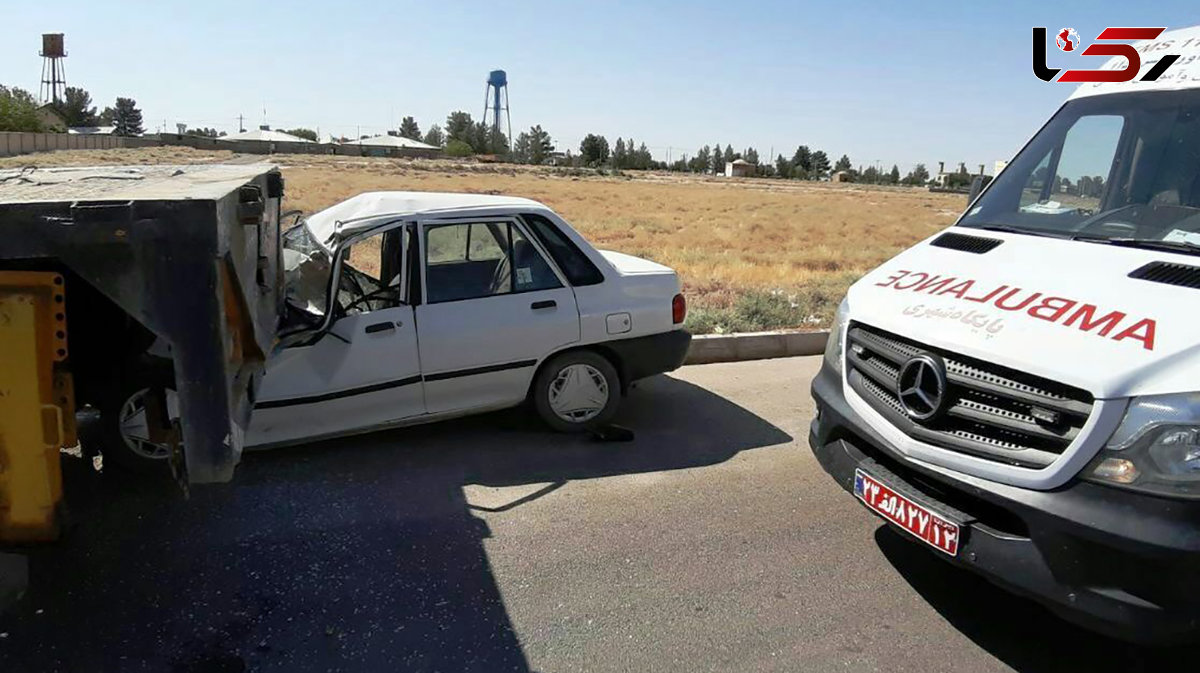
[241, 123]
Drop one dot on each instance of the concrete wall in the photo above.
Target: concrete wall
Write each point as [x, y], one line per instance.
[12, 144]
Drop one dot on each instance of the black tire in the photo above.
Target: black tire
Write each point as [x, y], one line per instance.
[598, 364]
[116, 452]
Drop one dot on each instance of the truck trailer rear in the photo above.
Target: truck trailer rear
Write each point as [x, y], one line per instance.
[165, 276]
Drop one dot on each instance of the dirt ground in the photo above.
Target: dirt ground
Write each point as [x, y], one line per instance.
[752, 253]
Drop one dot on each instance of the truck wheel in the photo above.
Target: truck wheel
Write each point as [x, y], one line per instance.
[577, 392]
[126, 442]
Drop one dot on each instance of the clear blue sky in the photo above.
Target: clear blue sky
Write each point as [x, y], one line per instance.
[883, 81]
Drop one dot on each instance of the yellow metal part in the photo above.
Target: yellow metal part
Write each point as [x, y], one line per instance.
[36, 403]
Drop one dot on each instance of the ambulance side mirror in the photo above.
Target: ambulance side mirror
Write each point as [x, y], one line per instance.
[977, 186]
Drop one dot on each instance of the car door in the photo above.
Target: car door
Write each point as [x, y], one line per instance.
[365, 371]
[493, 308]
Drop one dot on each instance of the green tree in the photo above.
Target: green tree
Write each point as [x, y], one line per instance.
[729, 155]
[802, 161]
[307, 134]
[842, 164]
[127, 118]
[718, 160]
[107, 116]
[894, 175]
[540, 145]
[783, 167]
[496, 142]
[459, 148]
[919, 175]
[594, 150]
[619, 158]
[820, 164]
[484, 139]
[409, 129]
[522, 148]
[643, 160]
[700, 163]
[479, 138]
[459, 126]
[18, 110]
[205, 132]
[434, 136]
[77, 107]
[751, 155]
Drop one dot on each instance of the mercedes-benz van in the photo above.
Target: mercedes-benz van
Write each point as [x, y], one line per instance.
[1021, 392]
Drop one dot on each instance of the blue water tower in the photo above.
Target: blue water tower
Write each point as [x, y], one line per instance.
[497, 86]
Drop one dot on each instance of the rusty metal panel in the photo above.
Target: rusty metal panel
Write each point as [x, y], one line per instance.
[33, 423]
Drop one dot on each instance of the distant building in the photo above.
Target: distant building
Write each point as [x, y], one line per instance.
[841, 176]
[265, 134]
[389, 141]
[739, 168]
[944, 178]
[51, 118]
[92, 130]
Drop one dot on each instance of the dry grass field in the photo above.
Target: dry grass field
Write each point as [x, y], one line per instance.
[753, 254]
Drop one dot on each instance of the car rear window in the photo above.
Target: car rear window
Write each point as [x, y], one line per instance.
[577, 267]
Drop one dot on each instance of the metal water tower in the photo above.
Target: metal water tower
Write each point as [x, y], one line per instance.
[54, 78]
[497, 85]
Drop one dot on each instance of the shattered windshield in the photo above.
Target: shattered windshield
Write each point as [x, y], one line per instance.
[306, 274]
[307, 267]
[1113, 169]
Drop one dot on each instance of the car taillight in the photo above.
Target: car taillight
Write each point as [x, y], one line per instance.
[678, 309]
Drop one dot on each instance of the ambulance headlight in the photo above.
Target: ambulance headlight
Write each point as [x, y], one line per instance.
[1156, 448]
[834, 353]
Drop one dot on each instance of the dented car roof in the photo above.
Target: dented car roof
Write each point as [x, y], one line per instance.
[371, 209]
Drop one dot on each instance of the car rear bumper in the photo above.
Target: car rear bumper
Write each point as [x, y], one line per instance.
[649, 355]
[1121, 563]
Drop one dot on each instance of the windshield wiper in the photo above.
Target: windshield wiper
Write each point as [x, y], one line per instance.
[1008, 229]
[1143, 243]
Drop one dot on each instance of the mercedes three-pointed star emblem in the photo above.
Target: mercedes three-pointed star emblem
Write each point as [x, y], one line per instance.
[921, 386]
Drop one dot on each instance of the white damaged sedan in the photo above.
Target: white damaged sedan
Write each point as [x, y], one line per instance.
[408, 307]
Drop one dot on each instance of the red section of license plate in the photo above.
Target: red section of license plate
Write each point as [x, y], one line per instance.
[928, 526]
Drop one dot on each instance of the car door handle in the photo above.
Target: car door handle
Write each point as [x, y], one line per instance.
[548, 303]
[381, 327]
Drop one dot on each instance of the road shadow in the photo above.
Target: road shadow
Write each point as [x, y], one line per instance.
[354, 554]
[1016, 630]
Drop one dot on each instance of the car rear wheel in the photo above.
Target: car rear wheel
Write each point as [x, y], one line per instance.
[577, 392]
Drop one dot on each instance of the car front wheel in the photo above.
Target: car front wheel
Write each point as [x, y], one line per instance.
[126, 440]
[577, 392]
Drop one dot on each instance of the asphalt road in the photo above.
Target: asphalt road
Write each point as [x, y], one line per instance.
[713, 541]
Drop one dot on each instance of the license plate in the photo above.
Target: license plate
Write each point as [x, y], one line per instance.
[924, 524]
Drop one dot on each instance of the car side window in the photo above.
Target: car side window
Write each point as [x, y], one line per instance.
[372, 273]
[575, 265]
[482, 259]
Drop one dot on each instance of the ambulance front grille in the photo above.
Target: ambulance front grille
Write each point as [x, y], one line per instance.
[991, 412]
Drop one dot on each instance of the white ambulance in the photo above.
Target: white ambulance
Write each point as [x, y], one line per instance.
[1021, 392]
